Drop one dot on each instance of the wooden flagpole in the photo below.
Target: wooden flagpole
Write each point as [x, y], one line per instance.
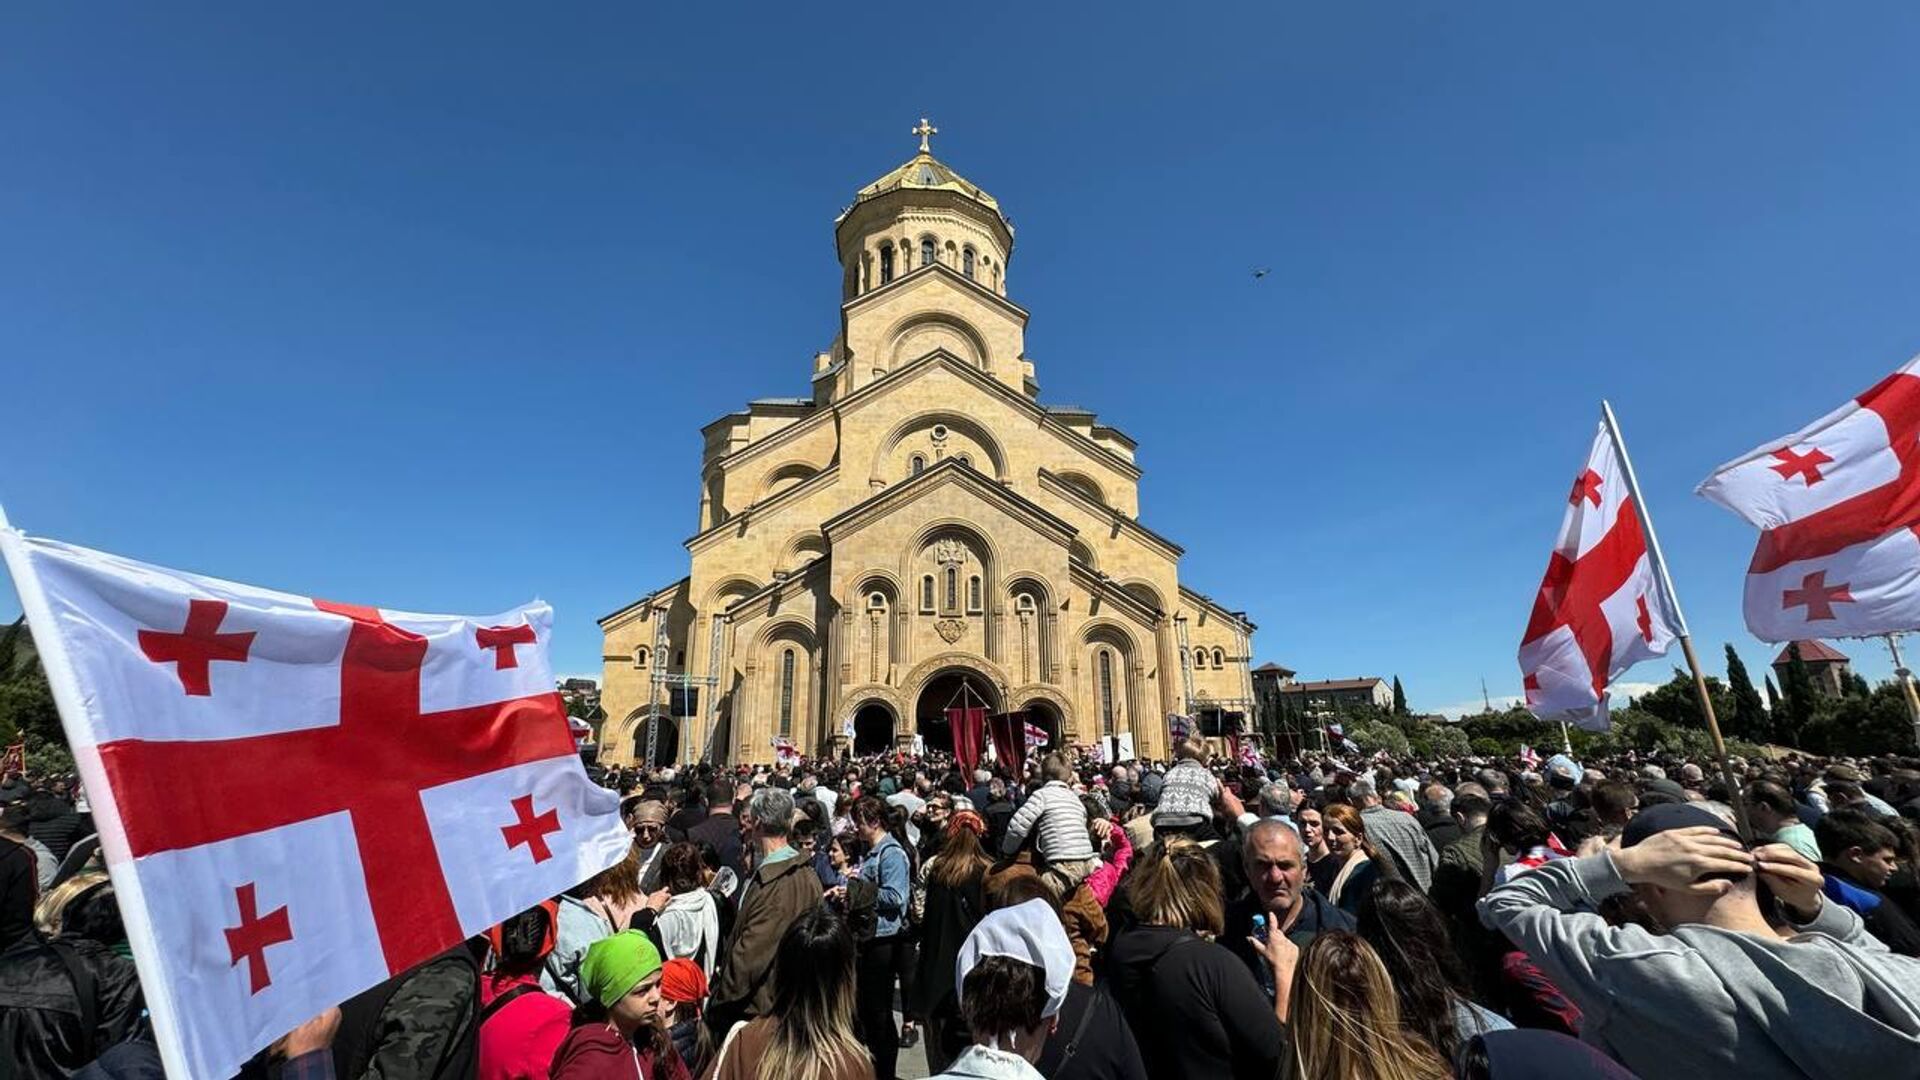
[1686, 639]
[1906, 683]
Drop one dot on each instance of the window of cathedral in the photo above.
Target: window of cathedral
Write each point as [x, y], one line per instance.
[1219, 658]
[973, 595]
[680, 658]
[877, 602]
[1106, 691]
[964, 459]
[886, 263]
[1024, 603]
[917, 464]
[926, 595]
[952, 605]
[640, 657]
[966, 262]
[786, 692]
[926, 251]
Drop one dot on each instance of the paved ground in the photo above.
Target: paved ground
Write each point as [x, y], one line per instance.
[913, 1059]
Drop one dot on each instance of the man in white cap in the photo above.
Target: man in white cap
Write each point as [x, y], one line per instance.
[1012, 973]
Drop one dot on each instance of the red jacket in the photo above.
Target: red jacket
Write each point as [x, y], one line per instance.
[598, 1052]
[518, 1042]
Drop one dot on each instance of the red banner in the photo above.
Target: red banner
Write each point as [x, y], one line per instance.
[1009, 734]
[13, 759]
[967, 726]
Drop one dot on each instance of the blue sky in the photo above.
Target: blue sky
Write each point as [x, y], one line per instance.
[423, 305]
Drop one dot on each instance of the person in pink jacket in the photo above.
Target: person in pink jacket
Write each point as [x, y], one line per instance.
[521, 1025]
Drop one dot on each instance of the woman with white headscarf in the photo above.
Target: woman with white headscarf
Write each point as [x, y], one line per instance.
[1012, 973]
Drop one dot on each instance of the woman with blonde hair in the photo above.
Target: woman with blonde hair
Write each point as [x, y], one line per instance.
[1345, 1018]
[1194, 1007]
[1360, 865]
[808, 1033]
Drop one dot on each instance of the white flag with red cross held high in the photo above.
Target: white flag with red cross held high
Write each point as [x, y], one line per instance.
[296, 798]
[1601, 607]
[1838, 506]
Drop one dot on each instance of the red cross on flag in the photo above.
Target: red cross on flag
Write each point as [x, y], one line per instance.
[298, 798]
[1601, 607]
[1838, 507]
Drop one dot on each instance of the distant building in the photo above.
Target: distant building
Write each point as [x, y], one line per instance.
[1329, 695]
[1827, 666]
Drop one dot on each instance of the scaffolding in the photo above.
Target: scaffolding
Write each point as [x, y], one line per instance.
[665, 682]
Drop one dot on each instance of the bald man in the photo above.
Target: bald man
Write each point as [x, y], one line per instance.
[1277, 869]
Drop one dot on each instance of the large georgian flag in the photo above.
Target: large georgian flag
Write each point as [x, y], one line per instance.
[299, 798]
[1600, 609]
[1837, 504]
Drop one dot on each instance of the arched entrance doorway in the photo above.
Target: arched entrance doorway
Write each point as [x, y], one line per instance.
[1043, 714]
[954, 689]
[666, 749]
[873, 726]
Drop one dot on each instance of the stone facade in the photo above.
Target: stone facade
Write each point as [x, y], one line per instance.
[919, 533]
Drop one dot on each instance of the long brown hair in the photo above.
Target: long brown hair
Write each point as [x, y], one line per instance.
[960, 862]
[1177, 883]
[1345, 1018]
[812, 1010]
[617, 884]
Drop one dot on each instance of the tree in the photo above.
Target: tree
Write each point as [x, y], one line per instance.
[1749, 719]
[1874, 724]
[1801, 700]
[1399, 698]
[1676, 702]
[1441, 740]
[27, 712]
[1773, 703]
[1856, 686]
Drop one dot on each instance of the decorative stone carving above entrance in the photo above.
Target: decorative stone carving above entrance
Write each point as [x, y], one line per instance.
[951, 629]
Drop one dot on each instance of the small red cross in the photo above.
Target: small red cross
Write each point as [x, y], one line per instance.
[1586, 486]
[250, 939]
[531, 830]
[1806, 466]
[1816, 596]
[196, 646]
[1645, 619]
[502, 639]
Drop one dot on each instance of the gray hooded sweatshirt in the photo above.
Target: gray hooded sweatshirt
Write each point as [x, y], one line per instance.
[1702, 1001]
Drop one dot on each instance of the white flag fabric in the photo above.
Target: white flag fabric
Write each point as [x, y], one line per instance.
[1600, 608]
[1837, 504]
[298, 799]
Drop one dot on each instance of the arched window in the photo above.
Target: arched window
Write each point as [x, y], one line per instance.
[1199, 659]
[1106, 692]
[877, 602]
[926, 594]
[964, 459]
[926, 251]
[1219, 658]
[886, 263]
[953, 589]
[966, 262]
[917, 464]
[680, 658]
[1024, 603]
[786, 692]
[973, 593]
[640, 656]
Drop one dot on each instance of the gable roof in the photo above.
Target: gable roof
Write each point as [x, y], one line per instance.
[1271, 667]
[942, 473]
[1811, 652]
[1333, 684]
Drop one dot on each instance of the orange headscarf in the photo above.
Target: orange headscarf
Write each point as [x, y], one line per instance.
[681, 980]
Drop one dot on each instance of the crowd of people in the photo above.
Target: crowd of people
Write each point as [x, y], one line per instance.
[1328, 918]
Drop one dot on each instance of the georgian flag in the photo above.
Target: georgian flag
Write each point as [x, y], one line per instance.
[296, 798]
[1600, 609]
[1035, 734]
[1837, 505]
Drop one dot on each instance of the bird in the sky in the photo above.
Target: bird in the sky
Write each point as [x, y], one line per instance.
[1261, 271]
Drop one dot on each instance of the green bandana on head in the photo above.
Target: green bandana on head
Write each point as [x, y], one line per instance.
[615, 965]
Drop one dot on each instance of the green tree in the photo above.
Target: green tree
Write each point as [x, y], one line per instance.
[1801, 700]
[1749, 719]
[1874, 724]
[1441, 740]
[1676, 702]
[27, 712]
[1399, 698]
[1856, 686]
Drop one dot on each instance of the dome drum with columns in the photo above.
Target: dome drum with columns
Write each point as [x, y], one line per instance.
[920, 533]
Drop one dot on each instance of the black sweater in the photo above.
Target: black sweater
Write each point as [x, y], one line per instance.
[1194, 1008]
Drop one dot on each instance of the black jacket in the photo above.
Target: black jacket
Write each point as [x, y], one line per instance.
[1103, 1048]
[56, 824]
[1194, 1008]
[1441, 827]
[1318, 916]
[722, 833]
[41, 1028]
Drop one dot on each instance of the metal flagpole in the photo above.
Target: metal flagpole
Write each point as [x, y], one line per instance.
[1906, 683]
[1686, 639]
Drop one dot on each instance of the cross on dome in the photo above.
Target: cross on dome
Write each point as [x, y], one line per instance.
[925, 131]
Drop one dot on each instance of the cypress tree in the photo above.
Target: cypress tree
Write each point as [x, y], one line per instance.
[1749, 719]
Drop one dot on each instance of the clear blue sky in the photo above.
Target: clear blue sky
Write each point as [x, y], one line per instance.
[423, 305]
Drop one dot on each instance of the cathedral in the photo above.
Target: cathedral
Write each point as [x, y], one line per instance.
[920, 532]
